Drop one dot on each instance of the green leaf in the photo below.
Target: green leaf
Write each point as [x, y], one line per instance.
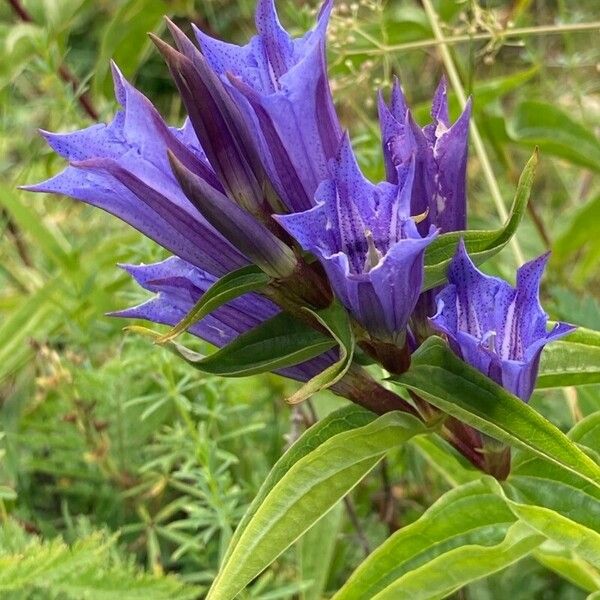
[483, 244]
[440, 377]
[442, 457]
[342, 420]
[231, 286]
[465, 535]
[335, 320]
[573, 360]
[569, 566]
[559, 504]
[587, 432]
[281, 341]
[461, 566]
[87, 569]
[315, 565]
[308, 490]
[545, 125]
[558, 511]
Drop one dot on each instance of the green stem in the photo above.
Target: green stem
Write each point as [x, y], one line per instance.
[488, 35]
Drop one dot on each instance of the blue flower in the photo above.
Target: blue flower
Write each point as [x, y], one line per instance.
[440, 154]
[368, 244]
[178, 285]
[282, 83]
[498, 329]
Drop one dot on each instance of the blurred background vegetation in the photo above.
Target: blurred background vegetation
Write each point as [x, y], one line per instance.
[122, 473]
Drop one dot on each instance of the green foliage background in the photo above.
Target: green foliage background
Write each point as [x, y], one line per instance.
[119, 465]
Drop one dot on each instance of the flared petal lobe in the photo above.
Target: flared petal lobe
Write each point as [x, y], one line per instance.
[498, 329]
[123, 168]
[179, 285]
[282, 84]
[367, 243]
[440, 151]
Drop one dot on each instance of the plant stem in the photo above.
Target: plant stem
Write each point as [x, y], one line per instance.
[491, 35]
[364, 542]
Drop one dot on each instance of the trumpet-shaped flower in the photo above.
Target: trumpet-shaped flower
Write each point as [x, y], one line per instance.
[124, 168]
[498, 329]
[179, 285]
[367, 242]
[440, 151]
[282, 83]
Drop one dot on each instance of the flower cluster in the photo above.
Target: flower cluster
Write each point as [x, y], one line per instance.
[262, 173]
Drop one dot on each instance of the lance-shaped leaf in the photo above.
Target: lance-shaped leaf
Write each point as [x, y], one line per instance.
[238, 226]
[336, 321]
[574, 360]
[315, 567]
[216, 121]
[587, 432]
[308, 490]
[483, 244]
[561, 512]
[444, 459]
[467, 534]
[441, 378]
[569, 566]
[277, 343]
[230, 286]
[562, 506]
[344, 419]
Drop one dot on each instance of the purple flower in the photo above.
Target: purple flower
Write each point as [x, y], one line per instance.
[178, 286]
[440, 151]
[124, 168]
[367, 242]
[498, 329]
[281, 83]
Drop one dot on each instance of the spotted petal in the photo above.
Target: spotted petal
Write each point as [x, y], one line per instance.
[282, 83]
[178, 286]
[496, 328]
[367, 243]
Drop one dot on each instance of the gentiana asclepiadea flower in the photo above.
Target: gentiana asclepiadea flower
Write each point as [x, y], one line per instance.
[260, 170]
[282, 84]
[178, 285]
[440, 153]
[124, 169]
[365, 238]
[498, 329]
